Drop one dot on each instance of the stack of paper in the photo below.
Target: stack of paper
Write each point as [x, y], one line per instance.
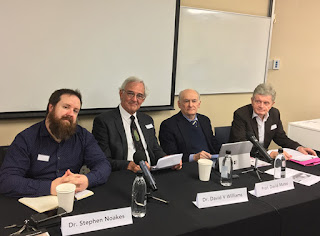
[46, 203]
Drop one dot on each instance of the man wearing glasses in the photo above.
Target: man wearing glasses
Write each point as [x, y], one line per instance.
[124, 130]
[263, 120]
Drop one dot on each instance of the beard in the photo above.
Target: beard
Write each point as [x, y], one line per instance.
[62, 128]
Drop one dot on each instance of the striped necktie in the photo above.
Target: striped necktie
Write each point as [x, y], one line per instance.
[194, 123]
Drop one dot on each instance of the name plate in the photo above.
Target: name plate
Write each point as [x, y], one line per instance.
[272, 187]
[95, 221]
[223, 197]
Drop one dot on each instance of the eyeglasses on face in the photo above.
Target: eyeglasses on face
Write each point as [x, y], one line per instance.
[131, 94]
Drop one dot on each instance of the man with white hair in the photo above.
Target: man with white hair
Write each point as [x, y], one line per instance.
[124, 130]
[188, 132]
[262, 119]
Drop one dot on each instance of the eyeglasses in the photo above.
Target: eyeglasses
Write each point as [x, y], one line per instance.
[139, 96]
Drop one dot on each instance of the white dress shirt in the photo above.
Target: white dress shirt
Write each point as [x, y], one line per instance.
[261, 126]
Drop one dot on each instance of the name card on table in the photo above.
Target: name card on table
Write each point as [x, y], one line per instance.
[272, 187]
[95, 221]
[223, 197]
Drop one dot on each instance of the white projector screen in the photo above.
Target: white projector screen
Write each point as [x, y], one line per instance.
[90, 45]
[221, 52]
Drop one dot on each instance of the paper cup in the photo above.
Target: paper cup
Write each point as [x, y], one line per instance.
[65, 193]
[205, 166]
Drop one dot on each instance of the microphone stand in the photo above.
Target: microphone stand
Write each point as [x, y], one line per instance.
[149, 195]
[255, 168]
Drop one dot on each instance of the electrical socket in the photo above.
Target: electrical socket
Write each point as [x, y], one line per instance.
[276, 64]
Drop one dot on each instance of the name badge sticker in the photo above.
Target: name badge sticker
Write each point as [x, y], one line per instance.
[43, 157]
[273, 126]
[149, 126]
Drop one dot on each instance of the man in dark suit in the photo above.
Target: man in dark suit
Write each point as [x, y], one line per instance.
[188, 132]
[263, 120]
[114, 134]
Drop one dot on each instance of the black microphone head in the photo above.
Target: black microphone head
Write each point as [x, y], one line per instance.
[139, 156]
[250, 136]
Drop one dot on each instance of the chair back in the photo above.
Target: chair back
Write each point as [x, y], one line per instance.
[222, 134]
[3, 151]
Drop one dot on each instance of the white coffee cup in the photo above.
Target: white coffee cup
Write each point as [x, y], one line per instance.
[205, 166]
[65, 193]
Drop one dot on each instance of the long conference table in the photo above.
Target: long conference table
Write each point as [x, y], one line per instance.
[293, 212]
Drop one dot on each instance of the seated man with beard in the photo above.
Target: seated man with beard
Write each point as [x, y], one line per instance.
[52, 151]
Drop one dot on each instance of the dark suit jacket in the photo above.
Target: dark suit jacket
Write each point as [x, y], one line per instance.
[174, 137]
[109, 132]
[243, 122]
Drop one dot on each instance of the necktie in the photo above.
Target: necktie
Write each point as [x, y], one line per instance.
[194, 123]
[135, 135]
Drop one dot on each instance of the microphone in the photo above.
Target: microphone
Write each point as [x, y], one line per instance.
[139, 157]
[252, 138]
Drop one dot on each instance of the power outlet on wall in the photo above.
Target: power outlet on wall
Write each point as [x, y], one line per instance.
[276, 64]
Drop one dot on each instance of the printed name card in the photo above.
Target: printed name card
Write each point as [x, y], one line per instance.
[272, 187]
[219, 198]
[95, 221]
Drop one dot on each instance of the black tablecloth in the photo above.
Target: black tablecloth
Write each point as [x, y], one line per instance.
[288, 213]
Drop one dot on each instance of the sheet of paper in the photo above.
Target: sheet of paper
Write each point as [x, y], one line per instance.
[259, 164]
[167, 161]
[83, 194]
[299, 176]
[295, 154]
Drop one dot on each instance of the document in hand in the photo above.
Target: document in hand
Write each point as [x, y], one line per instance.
[167, 162]
[302, 159]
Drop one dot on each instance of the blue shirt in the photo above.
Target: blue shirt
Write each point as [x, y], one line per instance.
[35, 159]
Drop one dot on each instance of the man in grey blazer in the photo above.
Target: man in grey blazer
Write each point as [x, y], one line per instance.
[263, 120]
[113, 133]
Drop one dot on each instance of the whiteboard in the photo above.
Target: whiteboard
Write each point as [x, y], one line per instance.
[221, 52]
[91, 45]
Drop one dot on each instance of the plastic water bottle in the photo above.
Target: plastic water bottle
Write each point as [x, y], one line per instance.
[280, 165]
[226, 170]
[139, 197]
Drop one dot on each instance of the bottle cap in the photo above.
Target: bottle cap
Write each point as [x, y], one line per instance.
[228, 152]
[280, 150]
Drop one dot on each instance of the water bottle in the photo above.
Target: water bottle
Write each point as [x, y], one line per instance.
[139, 197]
[226, 170]
[280, 165]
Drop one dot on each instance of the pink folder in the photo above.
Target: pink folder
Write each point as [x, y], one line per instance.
[311, 162]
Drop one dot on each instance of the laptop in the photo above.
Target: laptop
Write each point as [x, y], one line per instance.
[240, 153]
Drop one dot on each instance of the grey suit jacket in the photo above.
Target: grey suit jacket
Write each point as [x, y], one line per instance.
[109, 132]
[243, 122]
[174, 137]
